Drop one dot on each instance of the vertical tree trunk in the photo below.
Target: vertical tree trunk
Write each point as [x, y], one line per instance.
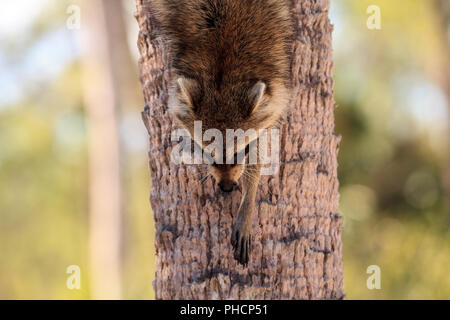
[443, 12]
[297, 250]
[102, 99]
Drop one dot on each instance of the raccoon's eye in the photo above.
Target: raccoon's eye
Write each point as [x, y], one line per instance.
[247, 149]
[236, 155]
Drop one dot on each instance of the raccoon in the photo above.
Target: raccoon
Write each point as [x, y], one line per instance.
[230, 69]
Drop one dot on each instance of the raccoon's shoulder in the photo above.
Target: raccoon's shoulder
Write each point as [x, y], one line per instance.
[188, 19]
[227, 39]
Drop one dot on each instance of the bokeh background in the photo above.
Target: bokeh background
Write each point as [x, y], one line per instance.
[68, 99]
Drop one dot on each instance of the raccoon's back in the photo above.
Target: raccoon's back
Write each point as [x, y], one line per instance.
[227, 40]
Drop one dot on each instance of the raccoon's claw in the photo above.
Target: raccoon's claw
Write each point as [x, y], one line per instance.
[242, 244]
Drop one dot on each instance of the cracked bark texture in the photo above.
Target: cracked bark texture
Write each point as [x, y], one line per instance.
[297, 248]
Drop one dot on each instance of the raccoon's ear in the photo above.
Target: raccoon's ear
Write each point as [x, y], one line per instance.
[256, 95]
[187, 90]
[181, 100]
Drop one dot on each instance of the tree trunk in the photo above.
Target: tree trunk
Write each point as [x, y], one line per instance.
[102, 99]
[443, 12]
[297, 249]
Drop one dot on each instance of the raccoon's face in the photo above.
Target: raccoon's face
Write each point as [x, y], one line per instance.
[239, 107]
[226, 175]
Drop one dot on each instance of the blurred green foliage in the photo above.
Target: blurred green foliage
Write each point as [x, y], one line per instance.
[44, 179]
[393, 116]
[43, 183]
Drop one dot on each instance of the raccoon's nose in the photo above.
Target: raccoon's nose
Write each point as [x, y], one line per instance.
[227, 185]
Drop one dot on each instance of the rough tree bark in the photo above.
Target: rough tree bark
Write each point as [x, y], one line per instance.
[297, 249]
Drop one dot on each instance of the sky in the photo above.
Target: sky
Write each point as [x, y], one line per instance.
[40, 62]
[17, 16]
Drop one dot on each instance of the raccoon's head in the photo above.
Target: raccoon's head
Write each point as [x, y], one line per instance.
[249, 107]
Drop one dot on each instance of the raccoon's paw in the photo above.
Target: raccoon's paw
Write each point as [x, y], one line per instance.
[241, 240]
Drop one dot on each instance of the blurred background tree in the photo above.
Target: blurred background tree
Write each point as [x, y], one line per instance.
[392, 91]
[44, 176]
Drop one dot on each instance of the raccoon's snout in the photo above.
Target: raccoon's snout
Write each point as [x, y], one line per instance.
[227, 185]
[226, 176]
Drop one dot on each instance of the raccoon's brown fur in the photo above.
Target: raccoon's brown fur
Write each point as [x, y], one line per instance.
[230, 69]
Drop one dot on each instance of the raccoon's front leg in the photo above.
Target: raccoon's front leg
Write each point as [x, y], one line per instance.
[241, 237]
